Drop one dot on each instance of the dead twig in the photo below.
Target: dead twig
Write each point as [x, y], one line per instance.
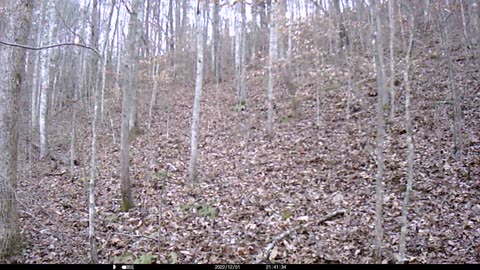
[266, 254]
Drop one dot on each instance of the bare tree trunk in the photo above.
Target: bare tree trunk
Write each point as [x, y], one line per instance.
[192, 169]
[271, 58]
[240, 50]
[391, 16]
[474, 25]
[457, 113]
[46, 79]
[96, 104]
[426, 11]
[281, 28]
[254, 12]
[16, 29]
[106, 43]
[381, 92]
[129, 86]
[216, 40]
[410, 154]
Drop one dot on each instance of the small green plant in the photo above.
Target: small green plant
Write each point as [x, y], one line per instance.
[162, 174]
[286, 214]
[203, 210]
[145, 259]
[173, 257]
[187, 207]
[286, 119]
[239, 107]
[206, 210]
[126, 258]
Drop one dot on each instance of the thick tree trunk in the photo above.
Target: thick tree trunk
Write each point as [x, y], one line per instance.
[46, 79]
[192, 169]
[129, 87]
[12, 59]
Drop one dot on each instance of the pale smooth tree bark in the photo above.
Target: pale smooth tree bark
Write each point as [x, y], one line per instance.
[216, 40]
[94, 28]
[16, 30]
[410, 147]
[46, 78]
[381, 93]
[474, 14]
[129, 69]
[272, 57]
[391, 18]
[240, 38]
[106, 43]
[192, 168]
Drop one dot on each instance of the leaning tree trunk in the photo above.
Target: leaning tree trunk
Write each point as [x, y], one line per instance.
[192, 169]
[12, 59]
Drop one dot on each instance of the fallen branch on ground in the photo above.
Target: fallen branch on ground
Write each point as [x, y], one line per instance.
[266, 254]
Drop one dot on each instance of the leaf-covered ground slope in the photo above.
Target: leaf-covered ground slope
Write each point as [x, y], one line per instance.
[252, 189]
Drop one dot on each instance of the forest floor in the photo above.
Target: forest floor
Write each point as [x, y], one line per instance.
[252, 189]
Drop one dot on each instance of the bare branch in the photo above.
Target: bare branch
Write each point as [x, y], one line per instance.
[49, 46]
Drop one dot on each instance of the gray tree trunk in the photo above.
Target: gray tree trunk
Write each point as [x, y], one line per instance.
[216, 40]
[457, 113]
[240, 38]
[381, 93]
[474, 14]
[391, 18]
[192, 169]
[106, 43]
[272, 57]
[410, 152]
[16, 30]
[46, 78]
[94, 34]
[129, 87]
